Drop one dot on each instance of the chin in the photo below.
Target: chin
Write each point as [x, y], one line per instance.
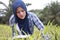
[21, 18]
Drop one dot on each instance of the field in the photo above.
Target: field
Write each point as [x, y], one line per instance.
[53, 31]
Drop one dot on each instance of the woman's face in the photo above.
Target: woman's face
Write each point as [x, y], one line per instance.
[20, 13]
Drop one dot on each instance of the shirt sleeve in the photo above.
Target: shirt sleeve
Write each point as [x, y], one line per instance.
[17, 28]
[38, 23]
[12, 20]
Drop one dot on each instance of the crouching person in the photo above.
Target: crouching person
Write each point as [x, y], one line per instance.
[24, 20]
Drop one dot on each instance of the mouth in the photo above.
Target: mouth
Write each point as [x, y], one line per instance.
[21, 16]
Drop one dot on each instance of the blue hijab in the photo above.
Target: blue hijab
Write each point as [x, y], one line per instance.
[22, 23]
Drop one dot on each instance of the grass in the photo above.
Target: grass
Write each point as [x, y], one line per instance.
[5, 32]
[53, 31]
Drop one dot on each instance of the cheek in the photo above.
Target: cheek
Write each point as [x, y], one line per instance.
[24, 13]
[18, 15]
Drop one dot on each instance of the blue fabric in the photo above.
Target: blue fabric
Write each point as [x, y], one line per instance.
[22, 23]
[18, 3]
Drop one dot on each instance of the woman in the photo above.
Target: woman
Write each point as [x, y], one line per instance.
[25, 20]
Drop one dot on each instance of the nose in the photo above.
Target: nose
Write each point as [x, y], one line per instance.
[21, 13]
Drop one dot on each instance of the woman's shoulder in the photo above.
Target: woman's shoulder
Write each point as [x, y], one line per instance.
[31, 14]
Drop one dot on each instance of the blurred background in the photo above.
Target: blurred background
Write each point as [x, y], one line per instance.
[45, 10]
[48, 12]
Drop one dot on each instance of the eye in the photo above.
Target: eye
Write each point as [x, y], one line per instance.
[22, 10]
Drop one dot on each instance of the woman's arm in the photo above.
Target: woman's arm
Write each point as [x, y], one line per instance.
[12, 20]
[38, 24]
[17, 28]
